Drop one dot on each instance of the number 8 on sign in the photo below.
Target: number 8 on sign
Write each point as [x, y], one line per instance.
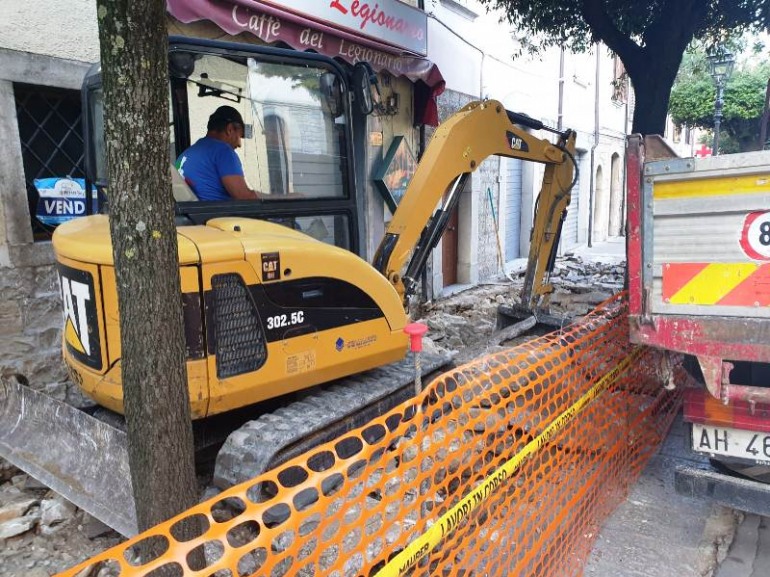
[755, 237]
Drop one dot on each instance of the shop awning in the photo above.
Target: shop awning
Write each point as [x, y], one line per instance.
[272, 25]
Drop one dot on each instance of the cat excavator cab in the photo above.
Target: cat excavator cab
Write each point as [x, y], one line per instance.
[277, 304]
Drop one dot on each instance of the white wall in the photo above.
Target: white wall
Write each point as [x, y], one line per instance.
[475, 51]
[443, 48]
[62, 28]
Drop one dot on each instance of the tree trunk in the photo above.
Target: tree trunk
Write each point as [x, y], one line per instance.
[652, 64]
[652, 75]
[651, 106]
[133, 41]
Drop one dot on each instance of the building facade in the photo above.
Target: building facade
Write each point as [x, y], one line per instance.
[466, 54]
[45, 51]
[585, 92]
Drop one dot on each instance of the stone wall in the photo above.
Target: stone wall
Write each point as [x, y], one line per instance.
[30, 308]
[30, 327]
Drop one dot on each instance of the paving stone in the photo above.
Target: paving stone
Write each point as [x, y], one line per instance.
[17, 526]
[56, 510]
[16, 509]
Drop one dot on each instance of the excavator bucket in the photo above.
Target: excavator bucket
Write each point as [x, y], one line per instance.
[73, 453]
[527, 319]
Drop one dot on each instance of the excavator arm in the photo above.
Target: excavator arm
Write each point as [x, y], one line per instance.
[459, 145]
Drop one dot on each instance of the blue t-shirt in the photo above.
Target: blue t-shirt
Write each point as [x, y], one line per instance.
[205, 163]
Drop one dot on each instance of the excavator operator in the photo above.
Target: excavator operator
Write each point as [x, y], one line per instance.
[210, 167]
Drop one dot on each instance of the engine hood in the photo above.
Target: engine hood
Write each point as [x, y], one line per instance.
[88, 239]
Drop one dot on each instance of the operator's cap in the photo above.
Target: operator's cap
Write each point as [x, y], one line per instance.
[226, 114]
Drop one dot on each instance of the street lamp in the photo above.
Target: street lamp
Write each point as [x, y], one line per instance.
[720, 67]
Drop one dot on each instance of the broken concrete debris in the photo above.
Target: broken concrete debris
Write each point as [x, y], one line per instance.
[465, 322]
[41, 533]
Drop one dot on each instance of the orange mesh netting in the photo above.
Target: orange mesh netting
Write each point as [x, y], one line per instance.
[508, 466]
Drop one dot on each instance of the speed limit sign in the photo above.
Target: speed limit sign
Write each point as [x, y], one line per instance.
[755, 237]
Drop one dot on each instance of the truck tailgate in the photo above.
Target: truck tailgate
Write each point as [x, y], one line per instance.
[699, 253]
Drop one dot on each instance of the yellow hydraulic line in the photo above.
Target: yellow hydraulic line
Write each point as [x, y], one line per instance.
[449, 521]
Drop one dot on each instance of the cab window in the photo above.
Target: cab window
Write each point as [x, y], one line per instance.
[293, 145]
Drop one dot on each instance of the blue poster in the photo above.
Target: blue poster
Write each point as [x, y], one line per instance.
[61, 199]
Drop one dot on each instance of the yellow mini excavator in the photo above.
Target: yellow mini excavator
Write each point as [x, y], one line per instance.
[276, 302]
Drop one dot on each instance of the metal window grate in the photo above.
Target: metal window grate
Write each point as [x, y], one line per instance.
[50, 130]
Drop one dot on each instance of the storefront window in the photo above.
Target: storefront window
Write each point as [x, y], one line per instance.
[52, 149]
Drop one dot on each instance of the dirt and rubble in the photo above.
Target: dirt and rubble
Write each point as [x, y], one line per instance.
[466, 322]
[41, 533]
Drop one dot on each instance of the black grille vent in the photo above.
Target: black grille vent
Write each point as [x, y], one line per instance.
[240, 344]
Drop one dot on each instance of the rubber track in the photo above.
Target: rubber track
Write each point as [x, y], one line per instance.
[323, 415]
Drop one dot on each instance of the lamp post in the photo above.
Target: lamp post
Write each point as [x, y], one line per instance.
[720, 67]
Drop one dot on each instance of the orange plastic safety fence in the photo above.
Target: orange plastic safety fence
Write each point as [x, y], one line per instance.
[573, 416]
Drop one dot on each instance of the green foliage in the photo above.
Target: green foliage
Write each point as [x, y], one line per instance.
[566, 22]
[694, 64]
[649, 37]
[692, 103]
[745, 93]
[728, 144]
[693, 97]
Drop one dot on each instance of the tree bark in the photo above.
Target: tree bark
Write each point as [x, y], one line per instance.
[652, 90]
[651, 65]
[133, 42]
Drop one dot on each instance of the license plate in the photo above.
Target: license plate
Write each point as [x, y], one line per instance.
[731, 443]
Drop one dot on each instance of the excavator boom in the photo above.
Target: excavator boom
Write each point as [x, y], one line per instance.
[458, 147]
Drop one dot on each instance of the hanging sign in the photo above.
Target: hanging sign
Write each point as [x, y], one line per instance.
[389, 21]
[61, 199]
[273, 24]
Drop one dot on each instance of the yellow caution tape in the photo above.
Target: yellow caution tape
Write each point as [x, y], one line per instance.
[449, 521]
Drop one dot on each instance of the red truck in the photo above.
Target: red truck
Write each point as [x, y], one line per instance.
[699, 283]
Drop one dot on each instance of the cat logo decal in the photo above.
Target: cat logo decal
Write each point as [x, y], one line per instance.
[81, 331]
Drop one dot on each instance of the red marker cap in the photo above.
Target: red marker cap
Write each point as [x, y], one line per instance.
[415, 331]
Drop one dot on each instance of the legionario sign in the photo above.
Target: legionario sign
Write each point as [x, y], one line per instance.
[389, 21]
